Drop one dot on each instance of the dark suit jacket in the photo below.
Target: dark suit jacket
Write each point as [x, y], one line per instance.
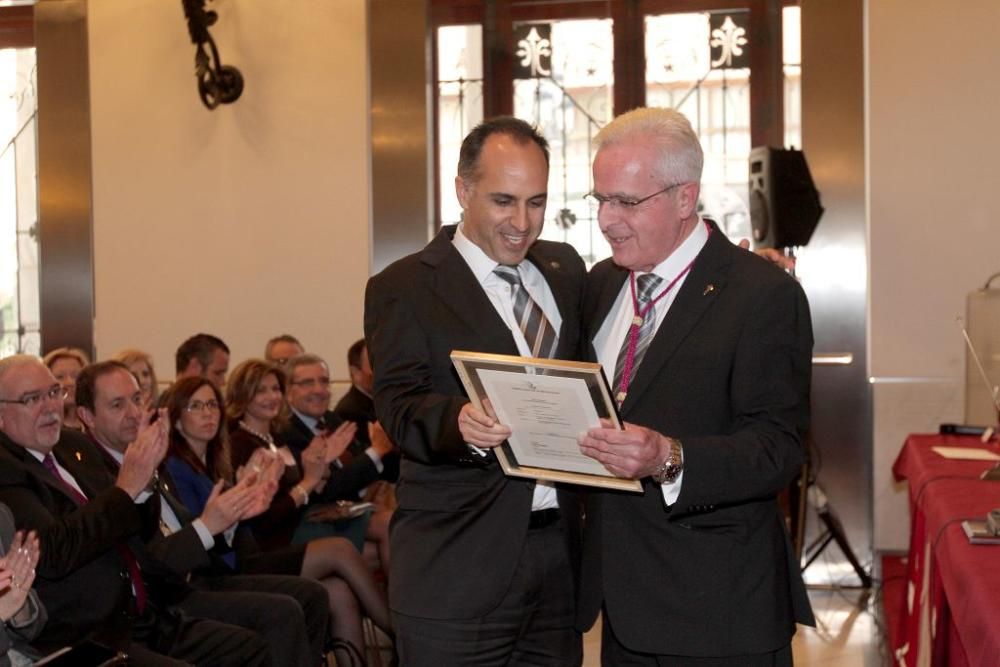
[360, 408]
[356, 406]
[82, 577]
[345, 482]
[728, 375]
[460, 525]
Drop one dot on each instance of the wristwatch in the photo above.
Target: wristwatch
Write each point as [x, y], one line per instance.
[672, 466]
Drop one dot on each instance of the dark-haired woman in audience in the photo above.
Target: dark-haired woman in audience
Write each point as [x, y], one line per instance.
[140, 364]
[66, 364]
[199, 455]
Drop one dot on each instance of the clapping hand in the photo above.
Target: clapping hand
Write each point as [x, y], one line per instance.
[144, 456]
[338, 440]
[17, 573]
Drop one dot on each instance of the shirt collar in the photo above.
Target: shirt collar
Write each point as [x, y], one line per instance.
[480, 263]
[684, 254]
[307, 420]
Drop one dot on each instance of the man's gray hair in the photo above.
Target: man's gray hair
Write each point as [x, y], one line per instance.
[8, 364]
[307, 359]
[669, 130]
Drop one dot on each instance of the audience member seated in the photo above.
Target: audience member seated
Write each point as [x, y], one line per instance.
[94, 574]
[199, 456]
[357, 404]
[351, 474]
[140, 364]
[203, 355]
[21, 612]
[65, 364]
[282, 348]
[290, 612]
[309, 399]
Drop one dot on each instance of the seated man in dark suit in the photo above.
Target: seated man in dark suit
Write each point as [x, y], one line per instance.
[109, 403]
[309, 399]
[94, 574]
[358, 406]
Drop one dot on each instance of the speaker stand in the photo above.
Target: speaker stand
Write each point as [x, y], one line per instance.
[833, 531]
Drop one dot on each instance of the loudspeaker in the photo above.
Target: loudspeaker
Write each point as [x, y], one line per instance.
[784, 202]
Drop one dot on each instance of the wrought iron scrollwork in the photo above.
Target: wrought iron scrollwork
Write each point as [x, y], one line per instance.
[217, 83]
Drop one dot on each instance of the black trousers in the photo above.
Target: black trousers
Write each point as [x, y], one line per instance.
[202, 642]
[276, 617]
[313, 608]
[533, 625]
[614, 654]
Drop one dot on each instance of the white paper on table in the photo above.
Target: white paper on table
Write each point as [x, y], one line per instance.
[545, 414]
[969, 453]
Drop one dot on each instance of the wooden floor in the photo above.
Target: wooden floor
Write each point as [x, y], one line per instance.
[846, 633]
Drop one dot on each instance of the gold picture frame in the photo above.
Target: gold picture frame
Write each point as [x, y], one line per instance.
[550, 400]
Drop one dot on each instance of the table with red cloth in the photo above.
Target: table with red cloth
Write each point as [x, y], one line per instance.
[953, 587]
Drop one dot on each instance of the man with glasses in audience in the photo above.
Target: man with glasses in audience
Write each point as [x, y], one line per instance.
[709, 352]
[94, 574]
[203, 355]
[279, 607]
[309, 399]
[483, 564]
[282, 348]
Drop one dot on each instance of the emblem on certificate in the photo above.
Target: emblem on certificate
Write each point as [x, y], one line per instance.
[547, 404]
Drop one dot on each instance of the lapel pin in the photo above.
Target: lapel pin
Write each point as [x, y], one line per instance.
[555, 265]
[708, 288]
[78, 457]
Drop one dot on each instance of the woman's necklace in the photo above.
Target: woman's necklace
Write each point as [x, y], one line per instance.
[266, 437]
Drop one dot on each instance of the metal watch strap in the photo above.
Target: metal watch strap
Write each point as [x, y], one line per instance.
[672, 466]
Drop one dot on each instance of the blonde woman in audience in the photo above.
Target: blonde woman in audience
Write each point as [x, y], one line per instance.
[199, 455]
[140, 364]
[65, 364]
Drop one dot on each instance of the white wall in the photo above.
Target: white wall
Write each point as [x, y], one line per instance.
[246, 221]
[933, 145]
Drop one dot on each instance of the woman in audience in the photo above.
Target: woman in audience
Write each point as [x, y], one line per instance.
[199, 455]
[66, 364]
[140, 364]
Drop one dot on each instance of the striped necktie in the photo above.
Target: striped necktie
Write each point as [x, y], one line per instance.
[538, 332]
[635, 348]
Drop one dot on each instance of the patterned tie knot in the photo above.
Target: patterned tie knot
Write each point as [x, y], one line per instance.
[646, 285]
[49, 462]
[509, 274]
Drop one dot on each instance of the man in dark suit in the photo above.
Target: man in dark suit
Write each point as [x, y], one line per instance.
[309, 400]
[94, 575]
[290, 612]
[357, 404]
[711, 348]
[482, 567]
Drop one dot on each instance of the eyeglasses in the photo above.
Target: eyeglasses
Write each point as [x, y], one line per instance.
[198, 406]
[625, 203]
[311, 383]
[36, 397]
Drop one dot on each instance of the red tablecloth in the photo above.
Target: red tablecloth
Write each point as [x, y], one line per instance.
[953, 596]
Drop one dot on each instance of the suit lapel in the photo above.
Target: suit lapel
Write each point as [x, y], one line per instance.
[700, 291]
[456, 287]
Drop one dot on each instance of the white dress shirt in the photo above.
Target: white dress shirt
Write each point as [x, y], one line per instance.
[501, 295]
[610, 337]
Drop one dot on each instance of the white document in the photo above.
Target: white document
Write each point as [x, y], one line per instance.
[970, 453]
[545, 414]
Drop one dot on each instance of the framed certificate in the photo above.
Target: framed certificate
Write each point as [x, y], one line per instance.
[546, 403]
